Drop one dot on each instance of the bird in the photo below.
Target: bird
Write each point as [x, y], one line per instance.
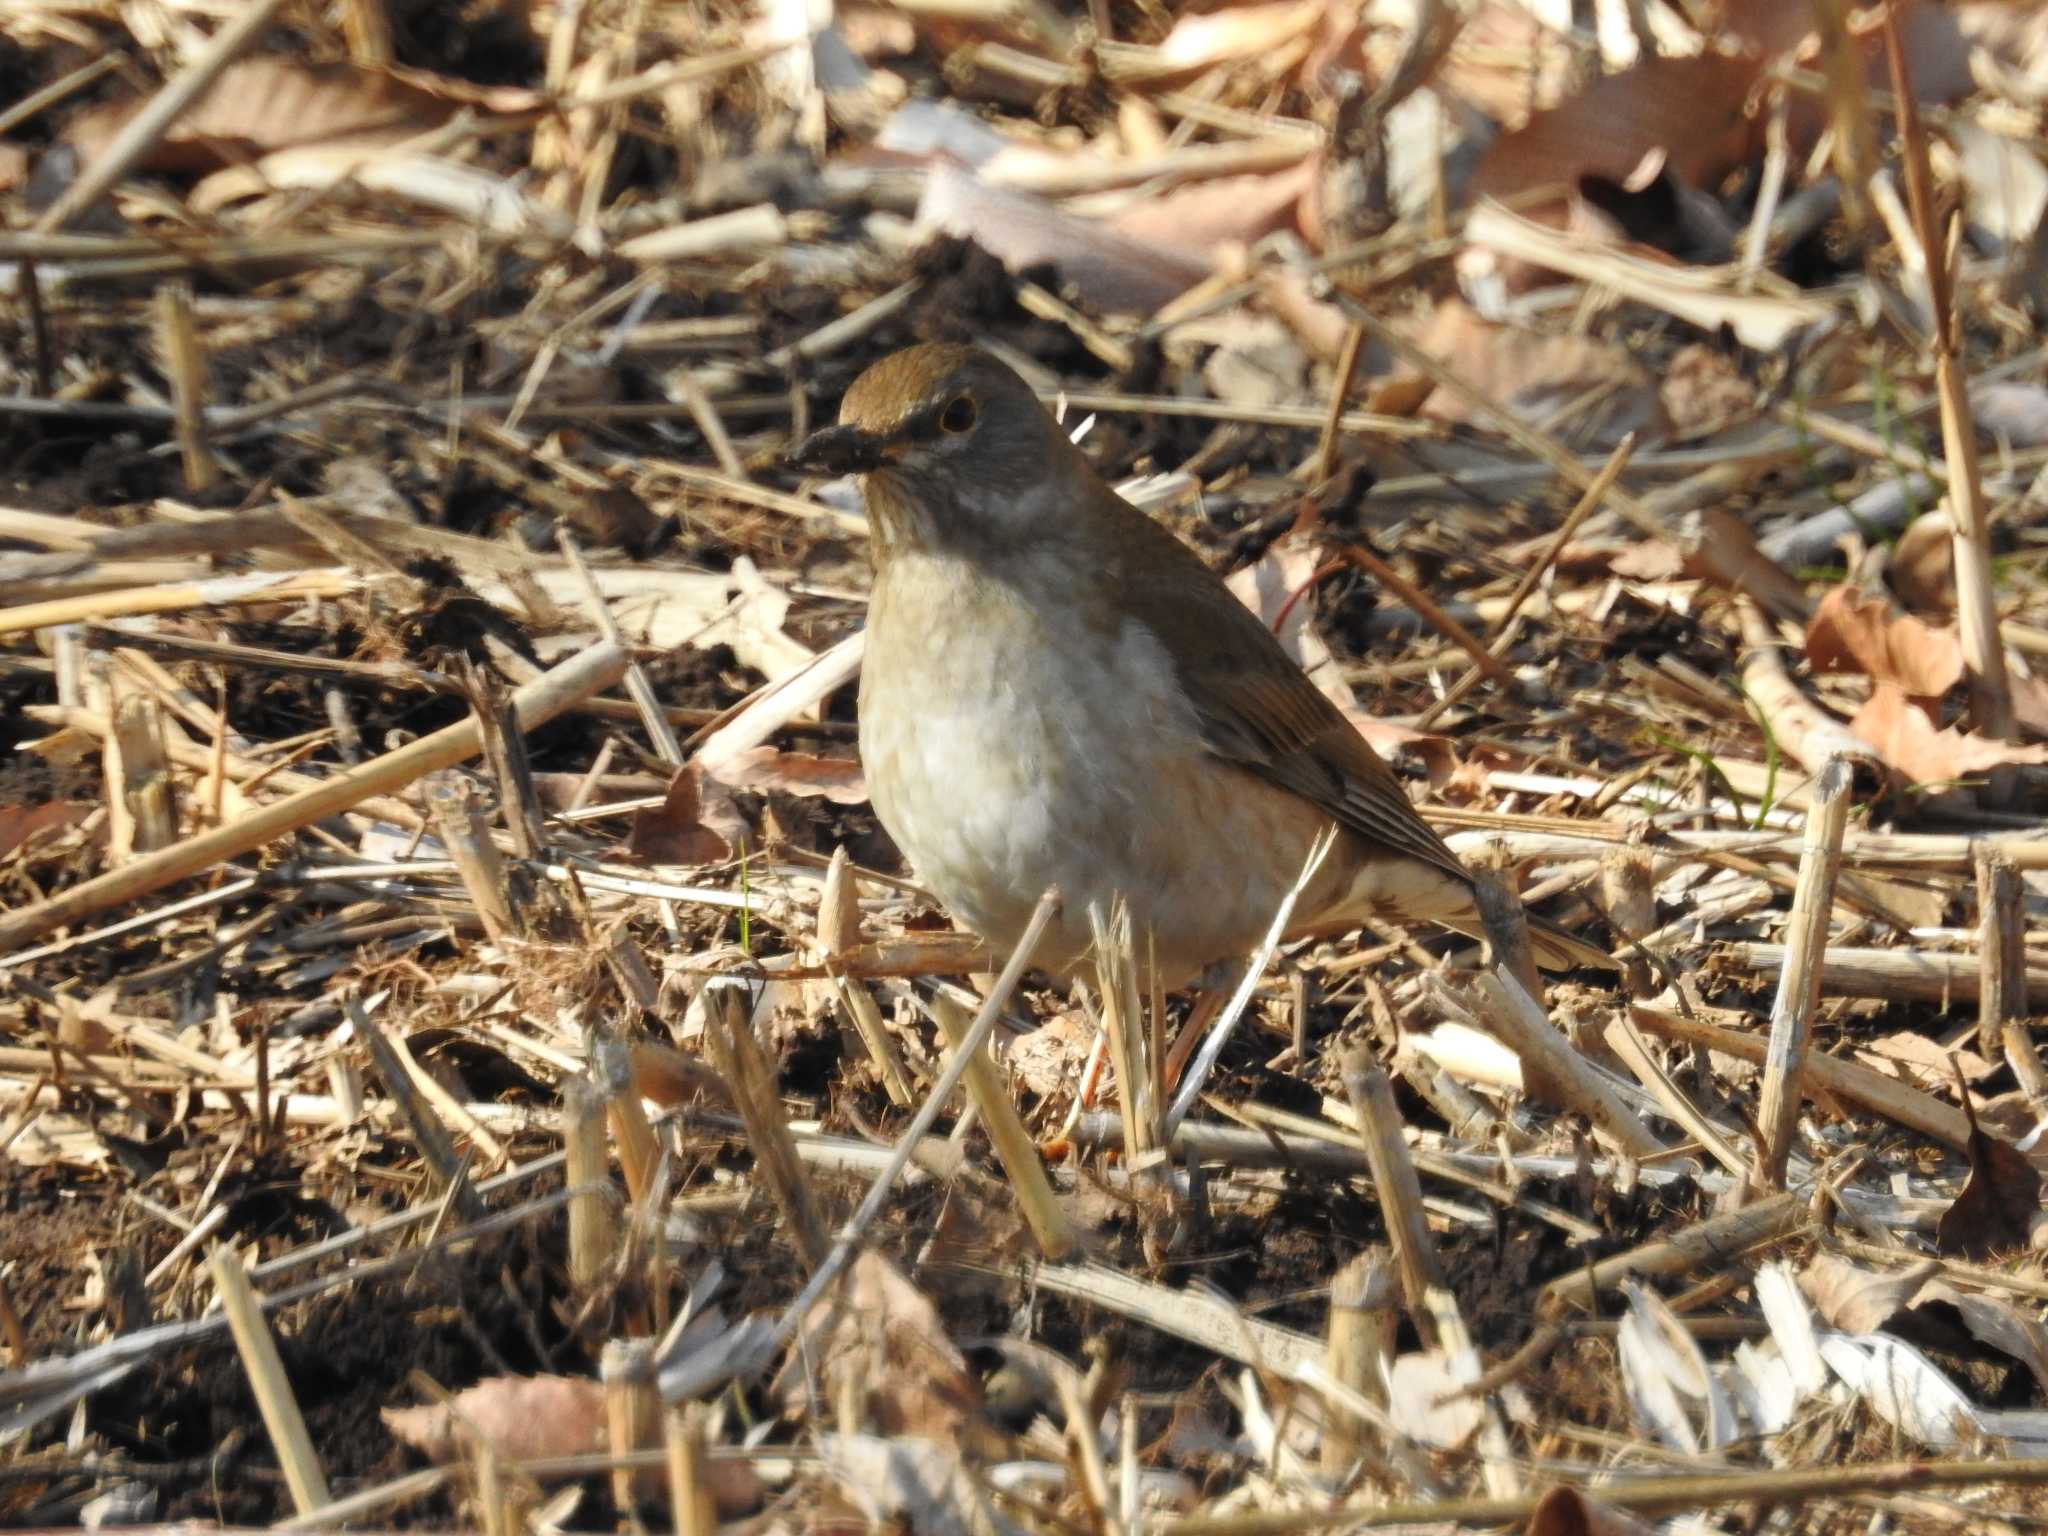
[1058, 692]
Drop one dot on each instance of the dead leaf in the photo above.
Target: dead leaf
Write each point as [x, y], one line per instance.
[1238, 32]
[523, 1418]
[519, 1417]
[1856, 631]
[1909, 742]
[1923, 563]
[1588, 390]
[880, 1337]
[2000, 1202]
[837, 779]
[19, 823]
[1915, 1059]
[1202, 215]
[1048, 1060]
[1860, 1300]
[1996, 1323]
[696, 824]
[904, 1482]
[269, 103]
[1569, 1512]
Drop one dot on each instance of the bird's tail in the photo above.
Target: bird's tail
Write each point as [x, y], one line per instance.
[1559, 949]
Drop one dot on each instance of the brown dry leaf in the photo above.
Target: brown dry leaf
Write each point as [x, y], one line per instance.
[1048, 1059]
[520, 1417]
[1569, 1512]
[1859, 1300]
[697, 823]
[837, 779]
[19, 823]
[1202, 215]
[523, 1418]
[2000, 1202]
[1924, 1063]
[879, 1336]
[269, 103]
[1923, 563]
[1589, 390]
[1690, 111]
[1856, 631]
[1909, 742]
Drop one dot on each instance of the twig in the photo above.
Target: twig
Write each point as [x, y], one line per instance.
[1380, 1127]
[1712, 1242]
[272, 1387]
[1813, 906]
[1991, 708]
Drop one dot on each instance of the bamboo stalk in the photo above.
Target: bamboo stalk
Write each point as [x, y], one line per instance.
[1813, 905]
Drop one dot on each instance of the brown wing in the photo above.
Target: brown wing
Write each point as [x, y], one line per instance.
[1257, 708]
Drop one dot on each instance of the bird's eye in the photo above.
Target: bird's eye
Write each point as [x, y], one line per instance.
[959, 415]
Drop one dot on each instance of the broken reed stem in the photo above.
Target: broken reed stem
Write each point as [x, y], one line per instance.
[1497, 638]
[848, 1240]
[146, 783]
[1991, 708]
[632, 1409]
[437, 1147]
[541, 700]
[692, 1511]
[1013, 1144]
[1506, 924]
[2002, 1027]
[1847, 1081]
[273, 1389]
[839, 932]
[639, 1151]
[1709, 1244]
[729, 1033]
[1395, 1182]
[1340, 391]
[1123, 1026]
[459, 823]
[1806, 942]
[593, 1233]
[1357, 1348]
[1552, 1071]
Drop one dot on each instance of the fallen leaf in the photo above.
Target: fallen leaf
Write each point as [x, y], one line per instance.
[697, 823]
[1923, 563]
[1429, 1401]
[1238, 32]
[523, 1418]
[878, 1336]
[2000, 1202]
[19, 823]
[907, 1483]
[1703, 391]
[1570, 1512]
[837, 779]
[1856, 631]
[268, 103]
[1924, 1063]
[1857, 1299]
[1909, 742]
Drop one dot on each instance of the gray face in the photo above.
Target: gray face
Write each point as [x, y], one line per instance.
[955, 451]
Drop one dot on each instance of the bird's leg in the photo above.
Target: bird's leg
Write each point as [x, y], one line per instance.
[1212, 990]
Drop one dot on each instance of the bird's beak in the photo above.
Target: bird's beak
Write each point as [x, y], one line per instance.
[841, 450]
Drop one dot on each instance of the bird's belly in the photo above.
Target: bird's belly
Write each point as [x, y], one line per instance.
[1084, 772]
